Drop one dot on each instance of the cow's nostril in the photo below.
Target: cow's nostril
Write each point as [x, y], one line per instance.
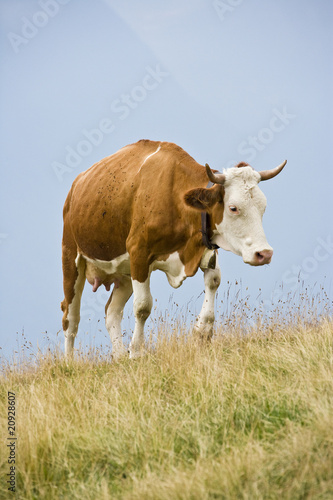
[259, 256]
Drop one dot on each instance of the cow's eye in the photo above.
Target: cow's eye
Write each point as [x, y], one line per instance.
[233, 209]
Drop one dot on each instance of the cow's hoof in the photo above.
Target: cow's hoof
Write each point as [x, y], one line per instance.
[136, 354]
[203, 333]
[119, 354]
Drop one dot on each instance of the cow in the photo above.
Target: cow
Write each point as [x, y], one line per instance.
[152, 206]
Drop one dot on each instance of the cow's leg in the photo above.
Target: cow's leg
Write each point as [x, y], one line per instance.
[114, 310]
[142, 305]
[74, 274]
[205, 322]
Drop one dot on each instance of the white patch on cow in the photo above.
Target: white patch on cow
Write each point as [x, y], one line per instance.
[242, 233]
[119, 265]
[149, 156]
[114, 315]
[78, 257]
[142, 304]
[205, 321]
[73, 315]
[173, 268]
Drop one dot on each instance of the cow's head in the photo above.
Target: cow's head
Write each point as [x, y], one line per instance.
[236, 205]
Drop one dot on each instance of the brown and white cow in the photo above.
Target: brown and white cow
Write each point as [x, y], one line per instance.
[146, 207]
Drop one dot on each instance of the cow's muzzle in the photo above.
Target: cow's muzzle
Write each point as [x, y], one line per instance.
[260, 258]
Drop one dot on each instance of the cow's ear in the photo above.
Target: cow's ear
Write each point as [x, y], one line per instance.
[204, 199]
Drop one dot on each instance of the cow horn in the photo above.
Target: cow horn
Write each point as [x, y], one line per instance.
[216, 178]
[269, 174]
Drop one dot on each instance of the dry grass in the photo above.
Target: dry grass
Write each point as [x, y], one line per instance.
[246, 417]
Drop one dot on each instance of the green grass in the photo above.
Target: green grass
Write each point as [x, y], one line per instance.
[245, 418]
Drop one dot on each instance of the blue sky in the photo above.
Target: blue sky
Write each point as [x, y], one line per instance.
[228, 81]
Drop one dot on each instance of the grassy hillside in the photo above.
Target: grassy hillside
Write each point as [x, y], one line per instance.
[246, 417]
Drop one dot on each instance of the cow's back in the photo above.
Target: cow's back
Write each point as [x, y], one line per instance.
[129, 191]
